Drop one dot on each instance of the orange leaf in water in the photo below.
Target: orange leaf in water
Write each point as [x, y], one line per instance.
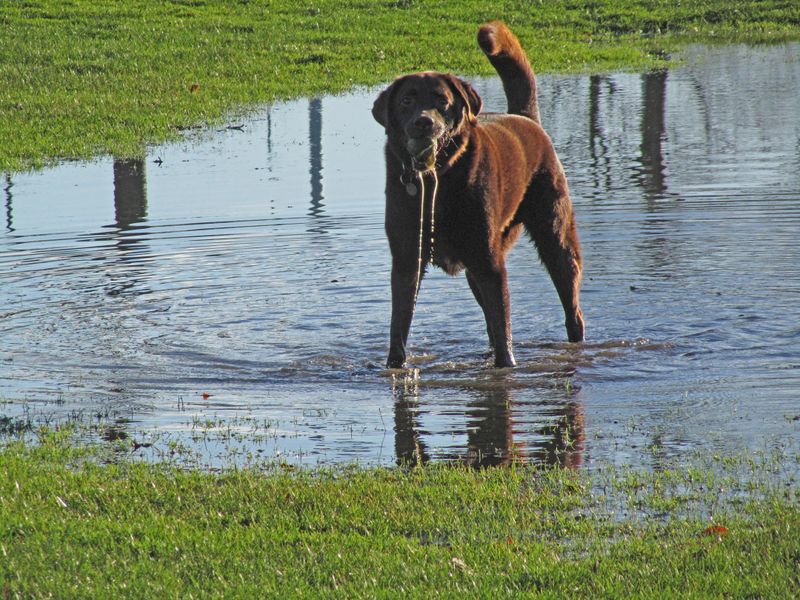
[205, 395]
[718, 530]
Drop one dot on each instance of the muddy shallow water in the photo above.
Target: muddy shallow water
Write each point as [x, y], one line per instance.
[230, 294]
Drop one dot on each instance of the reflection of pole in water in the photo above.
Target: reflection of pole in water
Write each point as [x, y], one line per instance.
[595, 135]
[654, 91]
[130, 191]
[9, 196]
[315, 160]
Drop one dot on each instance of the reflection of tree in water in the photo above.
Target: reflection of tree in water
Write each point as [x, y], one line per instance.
[130, 192]
[649, 171]
[490, 433]
[130, 211]
[652, 173]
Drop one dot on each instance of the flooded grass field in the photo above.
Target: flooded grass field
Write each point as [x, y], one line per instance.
[228, 297]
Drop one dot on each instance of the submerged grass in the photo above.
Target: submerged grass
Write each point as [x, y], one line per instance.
[88, 77]
[72, 526]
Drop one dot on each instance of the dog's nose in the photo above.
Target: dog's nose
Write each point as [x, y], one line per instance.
[424, 123]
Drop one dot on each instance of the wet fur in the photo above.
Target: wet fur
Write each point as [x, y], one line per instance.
[497, 174]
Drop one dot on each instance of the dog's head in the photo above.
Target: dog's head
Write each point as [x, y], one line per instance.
[422, 112]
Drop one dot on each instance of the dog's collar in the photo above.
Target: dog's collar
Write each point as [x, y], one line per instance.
[408, 177]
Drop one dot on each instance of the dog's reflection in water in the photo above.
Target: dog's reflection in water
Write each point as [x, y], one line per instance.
[491, 431]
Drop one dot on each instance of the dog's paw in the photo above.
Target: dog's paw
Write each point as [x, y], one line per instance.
[396, 362]
[504, 360]
[576, 328]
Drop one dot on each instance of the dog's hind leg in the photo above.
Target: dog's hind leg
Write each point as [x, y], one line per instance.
[547, 215]
[492, 294]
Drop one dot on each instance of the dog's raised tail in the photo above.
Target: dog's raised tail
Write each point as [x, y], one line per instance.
[503, 50]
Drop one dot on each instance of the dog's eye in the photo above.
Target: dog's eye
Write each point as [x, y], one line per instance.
[406, 101]
[443, 104]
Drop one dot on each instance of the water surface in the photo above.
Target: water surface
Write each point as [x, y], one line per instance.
[230, 293]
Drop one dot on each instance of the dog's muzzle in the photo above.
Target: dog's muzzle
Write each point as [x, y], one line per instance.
[423, 153]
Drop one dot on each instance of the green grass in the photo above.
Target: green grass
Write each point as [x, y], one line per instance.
[71, 526]
[83, 78]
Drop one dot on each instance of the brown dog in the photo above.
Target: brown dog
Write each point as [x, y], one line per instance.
[488, 176]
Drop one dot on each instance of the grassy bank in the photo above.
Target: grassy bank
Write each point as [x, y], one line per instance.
[89, 77]
[70, 527]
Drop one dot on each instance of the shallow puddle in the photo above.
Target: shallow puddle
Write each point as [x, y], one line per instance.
[229, 296]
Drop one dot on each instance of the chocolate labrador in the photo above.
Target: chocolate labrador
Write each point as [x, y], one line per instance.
[461, 185]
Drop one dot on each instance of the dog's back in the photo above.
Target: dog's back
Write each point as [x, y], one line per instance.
[504, 51]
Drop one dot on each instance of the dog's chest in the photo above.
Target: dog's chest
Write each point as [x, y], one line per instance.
[447, 259]
[457, 234]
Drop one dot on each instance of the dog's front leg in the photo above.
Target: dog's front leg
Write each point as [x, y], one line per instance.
[493, 289]
[476, 291]
[406, 278]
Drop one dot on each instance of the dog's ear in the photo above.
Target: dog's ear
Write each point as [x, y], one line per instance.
[380, 109]
[472, 101]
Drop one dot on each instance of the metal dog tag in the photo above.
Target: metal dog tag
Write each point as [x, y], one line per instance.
[411, 188]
